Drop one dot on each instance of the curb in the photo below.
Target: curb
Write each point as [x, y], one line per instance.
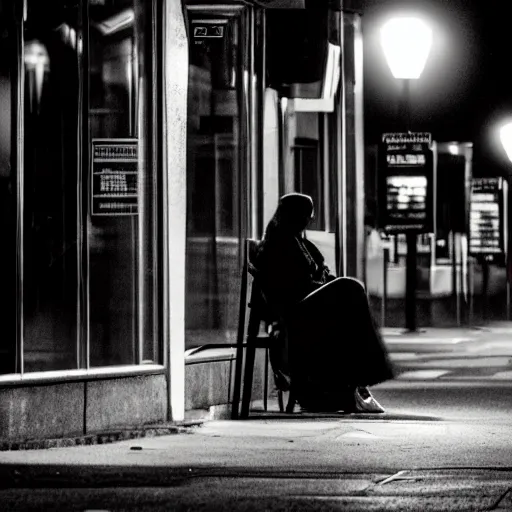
[102, 437]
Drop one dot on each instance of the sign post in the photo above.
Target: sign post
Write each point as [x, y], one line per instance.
[487, 223]
[406, 199]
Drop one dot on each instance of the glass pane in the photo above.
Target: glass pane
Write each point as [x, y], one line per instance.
[7, 190]
[309, 178]
[50, 186]
[214, 186]
[121, 230]
[308, 168]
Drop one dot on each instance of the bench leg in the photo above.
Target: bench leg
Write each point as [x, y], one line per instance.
[265, 382]
[280, 400]
[291, 403]
[248, 375]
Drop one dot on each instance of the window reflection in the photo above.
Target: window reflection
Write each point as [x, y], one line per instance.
[214, 188]
[309, 165]
[50, 184]
[7, 195]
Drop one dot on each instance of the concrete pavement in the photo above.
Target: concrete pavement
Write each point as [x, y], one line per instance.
[443, 444]
[391, 462]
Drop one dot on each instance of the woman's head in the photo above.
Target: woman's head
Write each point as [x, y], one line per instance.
[294, 212]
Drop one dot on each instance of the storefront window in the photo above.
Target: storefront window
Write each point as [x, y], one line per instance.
[122, 185]
[216, 194]
[79, 206]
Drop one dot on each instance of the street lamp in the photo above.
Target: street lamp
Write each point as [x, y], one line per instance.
[406, 43]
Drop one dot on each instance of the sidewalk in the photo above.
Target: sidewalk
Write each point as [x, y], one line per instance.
[436, 448]
[402, 346]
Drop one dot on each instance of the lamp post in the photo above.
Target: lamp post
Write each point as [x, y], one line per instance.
[406, 43]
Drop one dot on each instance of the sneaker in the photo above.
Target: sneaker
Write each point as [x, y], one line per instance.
[365, 402]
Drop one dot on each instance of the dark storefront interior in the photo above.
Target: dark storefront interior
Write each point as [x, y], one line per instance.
[79, 286]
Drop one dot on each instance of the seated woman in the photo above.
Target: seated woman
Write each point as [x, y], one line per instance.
[335, 351]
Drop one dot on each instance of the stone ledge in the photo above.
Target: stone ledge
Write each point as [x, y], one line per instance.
[122, 434]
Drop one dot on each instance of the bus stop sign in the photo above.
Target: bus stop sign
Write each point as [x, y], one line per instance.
[406, 183]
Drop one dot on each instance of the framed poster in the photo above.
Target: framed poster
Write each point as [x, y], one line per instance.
[406, 183]
[487, 216]
[114, 177]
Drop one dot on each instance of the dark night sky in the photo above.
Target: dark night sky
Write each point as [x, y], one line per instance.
[465, 91]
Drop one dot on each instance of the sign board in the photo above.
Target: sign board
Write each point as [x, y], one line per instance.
[487, 216]
[208, 31]
[114, 183]
[406, 183]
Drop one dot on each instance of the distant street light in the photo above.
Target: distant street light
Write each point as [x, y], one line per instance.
[506, 139]
[406, 43]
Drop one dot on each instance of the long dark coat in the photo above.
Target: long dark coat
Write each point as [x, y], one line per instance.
[333, 343]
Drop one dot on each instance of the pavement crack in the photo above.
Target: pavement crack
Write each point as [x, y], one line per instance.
[398, 477]
[507, 495]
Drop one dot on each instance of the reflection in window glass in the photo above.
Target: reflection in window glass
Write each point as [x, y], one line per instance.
[50, 186]
[121, 222]
[213, 182]
[309, 176]
[310, 169]
[7, 193]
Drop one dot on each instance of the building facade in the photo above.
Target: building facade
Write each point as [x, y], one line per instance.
[141, 142]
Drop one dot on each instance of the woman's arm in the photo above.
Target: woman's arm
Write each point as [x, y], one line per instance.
[323, 274]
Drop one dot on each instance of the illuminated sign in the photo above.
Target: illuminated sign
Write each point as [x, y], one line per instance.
[209, 31]
[486, 216]
[114, 186]
[406, 183]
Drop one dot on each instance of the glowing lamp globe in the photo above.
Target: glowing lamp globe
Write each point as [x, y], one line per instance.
[406, 42]
[506, 139]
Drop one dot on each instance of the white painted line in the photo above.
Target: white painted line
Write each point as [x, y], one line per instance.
[420, 341]
[502, 376]
[487, 346]
[481, 378]
[402, 356]
[423, 374]
[480, 362]
[360, 434]
[469, 377]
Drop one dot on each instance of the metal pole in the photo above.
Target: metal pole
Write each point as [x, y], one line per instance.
[384, 299]
[411, 282]
[463, 278]
[456, 262]
[471, 289]
[508, 293]
[485, 287]
[411, 237]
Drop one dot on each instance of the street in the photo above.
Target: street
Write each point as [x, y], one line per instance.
[442, 444]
